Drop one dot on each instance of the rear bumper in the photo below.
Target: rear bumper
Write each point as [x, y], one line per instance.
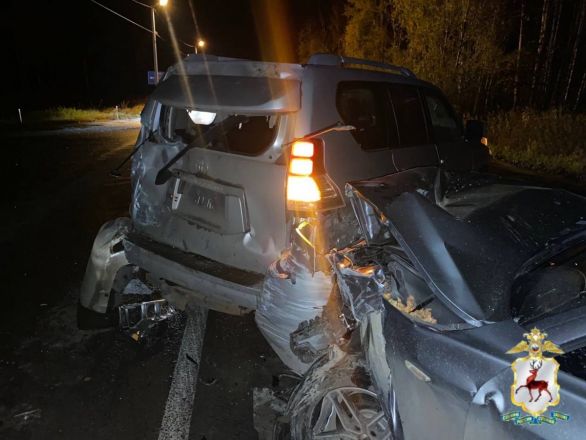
[106, 259]
[187, 278]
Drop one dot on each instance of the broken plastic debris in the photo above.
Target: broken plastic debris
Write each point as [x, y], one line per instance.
[139, 318]
[137, 287]
[209, 382]
[26, 415]
[268, 412]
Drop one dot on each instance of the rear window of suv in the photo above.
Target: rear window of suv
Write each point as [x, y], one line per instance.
[249, 138]
[391, 115]
[365, 106]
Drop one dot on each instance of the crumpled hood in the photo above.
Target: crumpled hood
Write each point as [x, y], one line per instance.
[468, 234]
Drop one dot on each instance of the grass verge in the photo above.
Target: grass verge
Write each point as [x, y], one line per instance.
[71, 114]
[548, 142]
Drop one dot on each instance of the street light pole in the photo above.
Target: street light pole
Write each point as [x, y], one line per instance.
[155, 57]
[153, 31]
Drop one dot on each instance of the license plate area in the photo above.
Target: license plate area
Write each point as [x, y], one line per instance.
[212, 205]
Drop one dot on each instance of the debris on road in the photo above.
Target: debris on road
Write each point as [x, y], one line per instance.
[139, 318]
[269, 410]
[27, 415]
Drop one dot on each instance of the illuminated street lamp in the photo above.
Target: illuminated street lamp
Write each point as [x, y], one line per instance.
[162, 3]
[200, 44]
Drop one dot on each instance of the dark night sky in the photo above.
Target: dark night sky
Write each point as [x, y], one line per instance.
[75, 53]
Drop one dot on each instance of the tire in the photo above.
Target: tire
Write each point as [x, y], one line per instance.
[90, 320]
[337, 396]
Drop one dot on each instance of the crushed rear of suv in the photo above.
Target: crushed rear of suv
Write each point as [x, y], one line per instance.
[234, 156]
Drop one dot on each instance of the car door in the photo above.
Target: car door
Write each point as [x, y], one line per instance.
[362, 99]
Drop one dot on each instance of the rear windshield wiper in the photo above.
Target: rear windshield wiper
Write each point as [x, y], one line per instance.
[201, 141]
[116, 171]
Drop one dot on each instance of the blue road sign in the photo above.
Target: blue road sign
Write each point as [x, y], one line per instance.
[152, 79]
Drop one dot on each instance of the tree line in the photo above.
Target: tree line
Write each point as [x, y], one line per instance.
[486, 55]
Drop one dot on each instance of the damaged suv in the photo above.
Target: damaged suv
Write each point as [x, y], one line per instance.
[233, 155]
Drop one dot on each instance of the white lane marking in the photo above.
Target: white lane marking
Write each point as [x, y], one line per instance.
[179, 407]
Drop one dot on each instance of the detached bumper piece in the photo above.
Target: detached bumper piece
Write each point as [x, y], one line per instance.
[139, 318]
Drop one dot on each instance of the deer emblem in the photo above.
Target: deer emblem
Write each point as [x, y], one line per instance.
[532, 384]
[526, 369]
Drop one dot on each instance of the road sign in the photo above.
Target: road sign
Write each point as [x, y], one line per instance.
[152, 79]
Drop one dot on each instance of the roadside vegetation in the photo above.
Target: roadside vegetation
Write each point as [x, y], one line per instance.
[516, 64]
[551, 142]
[72, 114]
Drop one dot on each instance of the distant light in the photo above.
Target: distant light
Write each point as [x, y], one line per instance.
[201, 118]
[201, 44]
[163, 2]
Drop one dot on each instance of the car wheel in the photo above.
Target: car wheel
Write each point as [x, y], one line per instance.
[350, 412]
[336, 400]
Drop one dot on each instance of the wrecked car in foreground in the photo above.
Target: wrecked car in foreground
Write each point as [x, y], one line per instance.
[453, 270]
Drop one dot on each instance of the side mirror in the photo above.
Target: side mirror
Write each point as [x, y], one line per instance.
[474, 130]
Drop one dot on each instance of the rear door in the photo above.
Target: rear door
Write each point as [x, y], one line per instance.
[225, 198]
[391, 133]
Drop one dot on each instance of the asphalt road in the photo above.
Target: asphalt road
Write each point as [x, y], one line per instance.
[57, 382]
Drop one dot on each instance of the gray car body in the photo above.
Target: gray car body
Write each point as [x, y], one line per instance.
[455, 383]
[209, 233]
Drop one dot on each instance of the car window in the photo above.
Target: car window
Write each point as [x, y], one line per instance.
[365, 106]
[444, 125]
[250, 138]
[409, 113]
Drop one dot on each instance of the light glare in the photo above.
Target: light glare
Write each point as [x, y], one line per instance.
[201, 118]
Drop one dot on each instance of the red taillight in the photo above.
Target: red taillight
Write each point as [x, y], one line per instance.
[308, 186]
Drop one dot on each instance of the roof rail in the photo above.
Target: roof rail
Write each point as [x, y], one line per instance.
[328, 59]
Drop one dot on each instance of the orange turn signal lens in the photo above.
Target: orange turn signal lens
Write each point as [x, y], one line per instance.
[301, 167]
[302, 149]
[302, 189]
